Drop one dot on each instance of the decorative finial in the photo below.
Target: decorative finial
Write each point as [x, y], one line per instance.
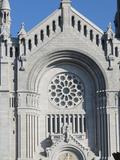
[23, 25]
[110, 33]
[110, 26]
[22, 31]
[5, 5]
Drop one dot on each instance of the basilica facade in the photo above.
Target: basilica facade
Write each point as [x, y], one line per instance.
[59, 88]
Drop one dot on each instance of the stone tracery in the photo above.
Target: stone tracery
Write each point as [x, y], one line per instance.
[66, 90]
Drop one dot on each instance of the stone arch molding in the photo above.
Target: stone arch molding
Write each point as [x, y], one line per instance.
[62, 150]
[90, 64]
[92, 71]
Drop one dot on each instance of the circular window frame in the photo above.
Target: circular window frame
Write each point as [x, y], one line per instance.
[63, 97]
[68, 148]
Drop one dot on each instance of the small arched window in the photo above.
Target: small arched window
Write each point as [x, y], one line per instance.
[36, 40]
[103, 44]
[16, 52]
[85, 30]
[60, 21]
[73, 21]
[23, 41]
[6, 51]
[97, 40]
[42, 35]
[116, 52]
[11, 52]
[5, 17]
[48, 30]
[79, 26]
[91, 35]
[23, 46]
[119, 99]
[54, 26]
[29, 44]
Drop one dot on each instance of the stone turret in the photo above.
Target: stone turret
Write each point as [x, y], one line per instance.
[5, 17]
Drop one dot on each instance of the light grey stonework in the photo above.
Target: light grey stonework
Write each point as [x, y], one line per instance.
[59, 88]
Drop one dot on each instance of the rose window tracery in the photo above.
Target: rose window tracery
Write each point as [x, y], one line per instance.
[66, 90]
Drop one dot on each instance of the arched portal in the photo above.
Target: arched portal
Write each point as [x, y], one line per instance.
[72, 89]
[90, 64]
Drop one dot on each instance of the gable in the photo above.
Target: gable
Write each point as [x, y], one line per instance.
[53, 25]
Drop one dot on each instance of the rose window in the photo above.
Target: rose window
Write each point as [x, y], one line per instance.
[66, 90]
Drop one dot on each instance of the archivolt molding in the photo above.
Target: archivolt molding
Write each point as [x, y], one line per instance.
[92, 66]
[70, 148]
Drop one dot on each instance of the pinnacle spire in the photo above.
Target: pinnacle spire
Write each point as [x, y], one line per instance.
[5, 18]
[5, 5]
[22, 31]
[117, 20]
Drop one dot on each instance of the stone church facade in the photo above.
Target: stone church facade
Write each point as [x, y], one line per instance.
[59, 88]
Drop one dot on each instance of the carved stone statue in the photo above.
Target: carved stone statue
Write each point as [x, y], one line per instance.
[66, 132]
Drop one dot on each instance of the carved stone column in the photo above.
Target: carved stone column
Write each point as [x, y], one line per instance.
[108, 123]
[102, 125]
[113, 122]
